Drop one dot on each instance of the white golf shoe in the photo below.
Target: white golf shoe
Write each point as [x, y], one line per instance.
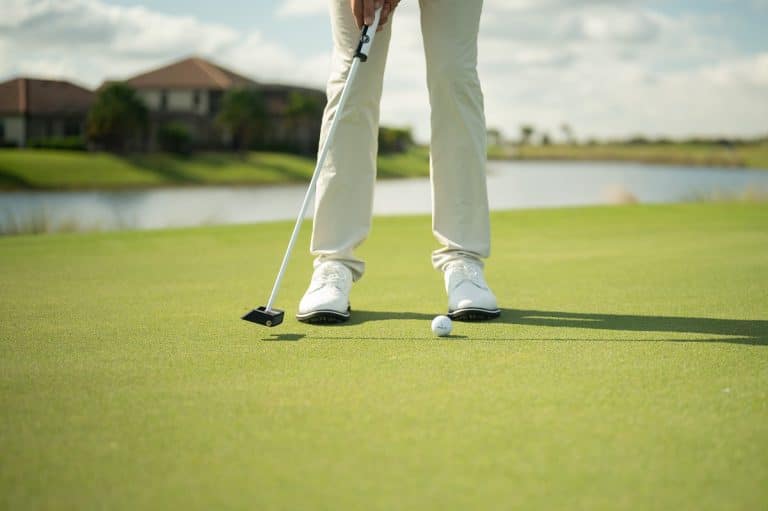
[327, 298]
[469, 298]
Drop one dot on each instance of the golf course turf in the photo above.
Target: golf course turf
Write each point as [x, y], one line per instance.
[629, 370]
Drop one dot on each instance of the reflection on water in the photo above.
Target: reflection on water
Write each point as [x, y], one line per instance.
[511, 185]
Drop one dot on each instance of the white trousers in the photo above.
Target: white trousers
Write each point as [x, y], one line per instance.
[344, 197]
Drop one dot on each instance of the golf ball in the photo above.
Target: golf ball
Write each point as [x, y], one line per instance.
[441, 326]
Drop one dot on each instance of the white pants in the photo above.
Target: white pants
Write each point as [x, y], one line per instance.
[344, 197]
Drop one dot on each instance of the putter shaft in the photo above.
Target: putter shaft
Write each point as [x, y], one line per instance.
[361, 55]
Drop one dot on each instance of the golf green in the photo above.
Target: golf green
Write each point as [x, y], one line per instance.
[629, 370]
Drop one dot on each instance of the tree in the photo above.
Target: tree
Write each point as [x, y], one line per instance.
[568, 133]
[302, 106]
[244, 113]
[494, 137]
[301, 113]
[118, 118]
[394, 140]
[526, 132]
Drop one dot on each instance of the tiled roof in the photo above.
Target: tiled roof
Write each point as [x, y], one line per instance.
[35, 96]
[190, 73]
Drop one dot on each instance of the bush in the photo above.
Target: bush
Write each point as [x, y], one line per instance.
[287, 147]
[174, 137]
[66, 143]
[394, 140]
[637, 140]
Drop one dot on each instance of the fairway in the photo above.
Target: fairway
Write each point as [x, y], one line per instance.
[629, 370]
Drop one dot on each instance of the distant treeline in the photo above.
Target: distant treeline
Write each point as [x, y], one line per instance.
[702, 141]
[529, 135]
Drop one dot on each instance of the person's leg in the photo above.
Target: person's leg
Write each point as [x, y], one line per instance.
[344, 198]
[460, 219]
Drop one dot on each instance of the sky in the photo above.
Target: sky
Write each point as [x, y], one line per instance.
[606, 68]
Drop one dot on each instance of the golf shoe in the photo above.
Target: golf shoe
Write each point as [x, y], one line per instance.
[469, 298]
[327, 298]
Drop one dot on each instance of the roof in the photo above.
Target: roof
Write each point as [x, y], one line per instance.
[190, 73]
[35, 96]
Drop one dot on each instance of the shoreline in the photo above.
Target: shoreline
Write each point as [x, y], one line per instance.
[35, 170]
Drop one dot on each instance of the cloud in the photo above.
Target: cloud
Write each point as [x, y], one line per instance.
[606, 67]
[528, 6]
[615, 68]
[268, 61]
[620, 26]
[90, 40]
[302, 7]
[130, 31]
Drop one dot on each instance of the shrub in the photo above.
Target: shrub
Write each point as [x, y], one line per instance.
[66, 143]
[174, 137]
[394, 140]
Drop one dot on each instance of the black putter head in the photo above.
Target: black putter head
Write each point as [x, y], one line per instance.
[265, 317]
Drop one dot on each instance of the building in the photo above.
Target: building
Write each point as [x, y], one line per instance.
[190, 92]
[33, 109]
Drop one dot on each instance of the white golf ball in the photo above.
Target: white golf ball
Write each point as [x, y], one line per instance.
[442, 326]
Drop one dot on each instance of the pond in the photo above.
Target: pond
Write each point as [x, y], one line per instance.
[511, 185]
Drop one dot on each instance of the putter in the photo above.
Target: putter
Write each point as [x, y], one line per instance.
[267, 315]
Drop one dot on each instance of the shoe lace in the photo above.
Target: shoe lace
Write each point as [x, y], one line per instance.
[331, 275]
[463, 271]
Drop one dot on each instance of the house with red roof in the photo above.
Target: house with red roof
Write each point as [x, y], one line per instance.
[190, 92]
[32, 108]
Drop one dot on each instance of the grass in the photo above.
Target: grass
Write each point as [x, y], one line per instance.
[629, 370]
[747, 155]
[69, 170]
[52, 169]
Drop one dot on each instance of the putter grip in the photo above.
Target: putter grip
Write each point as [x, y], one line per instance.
[366, 37]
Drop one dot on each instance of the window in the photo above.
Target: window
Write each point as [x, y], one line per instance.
[214, 101]
[196, 99]
[2, 129]
[163, 100]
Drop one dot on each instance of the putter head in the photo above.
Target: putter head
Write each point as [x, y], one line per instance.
[265, 317]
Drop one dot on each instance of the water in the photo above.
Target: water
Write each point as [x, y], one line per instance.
[511, 185]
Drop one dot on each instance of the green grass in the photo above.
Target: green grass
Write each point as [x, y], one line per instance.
[748, 155]
[52, 169]
[629, 370]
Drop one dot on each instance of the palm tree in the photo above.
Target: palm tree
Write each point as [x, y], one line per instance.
[244, 114]
[526, 133]
[568, 133]
[302, 109]
[118, 117]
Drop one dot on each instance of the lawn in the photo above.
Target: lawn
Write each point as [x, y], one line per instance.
[43, 169]
[753, 155]
[629, 370]
[56, 169]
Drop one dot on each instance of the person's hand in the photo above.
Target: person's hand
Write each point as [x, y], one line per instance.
[364, 10]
